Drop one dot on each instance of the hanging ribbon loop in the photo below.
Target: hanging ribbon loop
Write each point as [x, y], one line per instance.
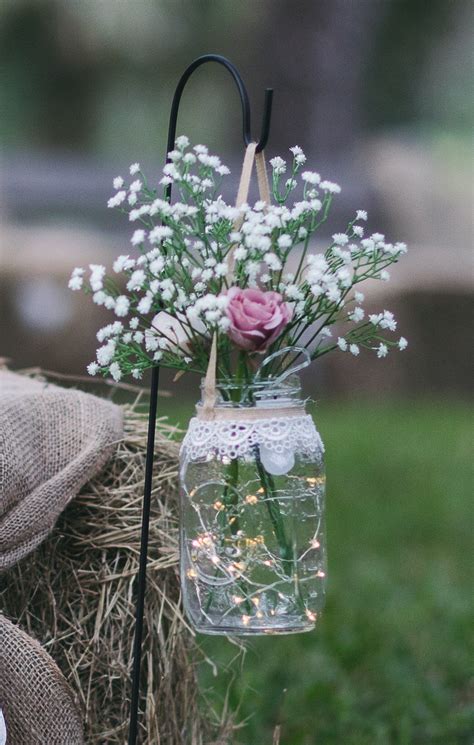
[251, 155]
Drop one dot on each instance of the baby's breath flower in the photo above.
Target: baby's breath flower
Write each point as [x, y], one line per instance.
[368, 245]
[224, 323]
[223, 170]
[333, 293]
[340, 239]
[401, 248]
[136, 280]
[171, 170]
[375, 318]
[284, 241]
[175, 155]
[99, 297]
[115, 371]
[160, 234]
[311, 177]
[299, 156]
[144, 304]
[121, 263]
[388, 321]
[189, 158]
[221, 269]
[183, 272]
[75, 283]
[105, 354]
[122, 305]
[278, 165]
[357, 315]
[402, 343]
[93, 368]
[293, 292]
[76, 280]
[117, 199]
[272, 261]
[182, 142]
[240, 253]
[330, 187]
[138, 237]
[136, 186]
[97, 275]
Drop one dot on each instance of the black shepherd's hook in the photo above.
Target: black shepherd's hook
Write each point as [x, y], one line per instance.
[141, 577]
[244, 100]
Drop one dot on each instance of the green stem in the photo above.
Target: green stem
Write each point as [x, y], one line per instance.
[230, 513]
[271, 502]
[230, 496]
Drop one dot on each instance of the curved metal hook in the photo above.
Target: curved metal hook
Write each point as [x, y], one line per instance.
[244, 100]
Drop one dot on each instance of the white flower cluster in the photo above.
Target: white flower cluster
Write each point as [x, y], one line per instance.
[170, 291]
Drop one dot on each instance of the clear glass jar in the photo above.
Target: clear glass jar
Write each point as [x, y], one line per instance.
[253, 555]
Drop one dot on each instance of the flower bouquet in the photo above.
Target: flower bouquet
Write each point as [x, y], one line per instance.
[238, 295]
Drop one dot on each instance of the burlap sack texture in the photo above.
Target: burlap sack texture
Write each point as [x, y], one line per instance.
[37, 702]
[74, 593]
[52, 441]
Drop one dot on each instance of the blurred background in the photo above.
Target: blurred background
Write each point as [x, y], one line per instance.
[379, 93]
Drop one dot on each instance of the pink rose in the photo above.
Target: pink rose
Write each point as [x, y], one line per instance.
[256, 317]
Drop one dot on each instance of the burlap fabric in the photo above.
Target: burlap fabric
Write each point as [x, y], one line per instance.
[37, 702]
[52, 442]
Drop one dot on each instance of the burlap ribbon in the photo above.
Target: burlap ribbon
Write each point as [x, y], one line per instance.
[208, 410]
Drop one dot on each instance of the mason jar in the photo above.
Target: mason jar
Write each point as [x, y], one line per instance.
[252, 536]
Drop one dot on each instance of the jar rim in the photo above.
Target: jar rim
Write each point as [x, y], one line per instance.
[258, 392]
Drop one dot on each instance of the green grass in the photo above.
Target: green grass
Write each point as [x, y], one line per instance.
[389, 662]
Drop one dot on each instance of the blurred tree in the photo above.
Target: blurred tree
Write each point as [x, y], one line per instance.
[51, 77]
[409, 38]
[94, 75]
[316, 53]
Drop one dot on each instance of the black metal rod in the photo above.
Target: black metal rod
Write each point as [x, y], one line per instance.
[141, 577]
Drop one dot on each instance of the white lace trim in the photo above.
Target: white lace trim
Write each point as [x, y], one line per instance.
[236, 439]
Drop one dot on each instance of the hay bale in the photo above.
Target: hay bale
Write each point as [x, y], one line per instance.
[75, 595]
